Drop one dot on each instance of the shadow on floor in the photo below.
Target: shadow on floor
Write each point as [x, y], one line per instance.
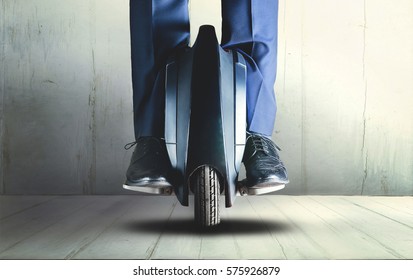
[227, 226]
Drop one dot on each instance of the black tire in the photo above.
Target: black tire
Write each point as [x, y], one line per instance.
[206, 187]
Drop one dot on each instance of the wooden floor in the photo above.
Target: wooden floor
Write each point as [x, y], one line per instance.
[151, 227]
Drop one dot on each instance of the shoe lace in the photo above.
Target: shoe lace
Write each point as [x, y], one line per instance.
[130, 145]
[261, 144]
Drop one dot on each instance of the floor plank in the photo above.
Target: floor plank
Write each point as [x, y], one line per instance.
[179, 238]
[152, 227]
[295, 242]
[402, 204]
[395, 237]
[251, 232]
[12, 205]
[71, 233]
[134, 235]
[325, 228]
[16, 228]
[397, 214]
[242, 234]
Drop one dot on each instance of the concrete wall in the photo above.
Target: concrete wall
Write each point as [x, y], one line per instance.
[66, 96]
[344, 91]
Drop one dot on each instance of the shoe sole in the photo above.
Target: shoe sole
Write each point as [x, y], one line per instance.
[263, 187]
[266, 187]
[161, 187]
[150, 187]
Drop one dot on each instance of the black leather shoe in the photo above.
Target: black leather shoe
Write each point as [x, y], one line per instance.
[150, 167]
[262, 163]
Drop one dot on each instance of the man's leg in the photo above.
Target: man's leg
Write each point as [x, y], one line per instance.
[158, 28]
[251, 27]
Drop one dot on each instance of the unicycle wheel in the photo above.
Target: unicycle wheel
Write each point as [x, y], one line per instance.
[206, 187]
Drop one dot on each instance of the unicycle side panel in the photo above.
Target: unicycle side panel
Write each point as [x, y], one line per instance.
[177, 118]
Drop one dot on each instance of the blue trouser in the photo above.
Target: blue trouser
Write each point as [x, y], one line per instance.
[159, 27]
